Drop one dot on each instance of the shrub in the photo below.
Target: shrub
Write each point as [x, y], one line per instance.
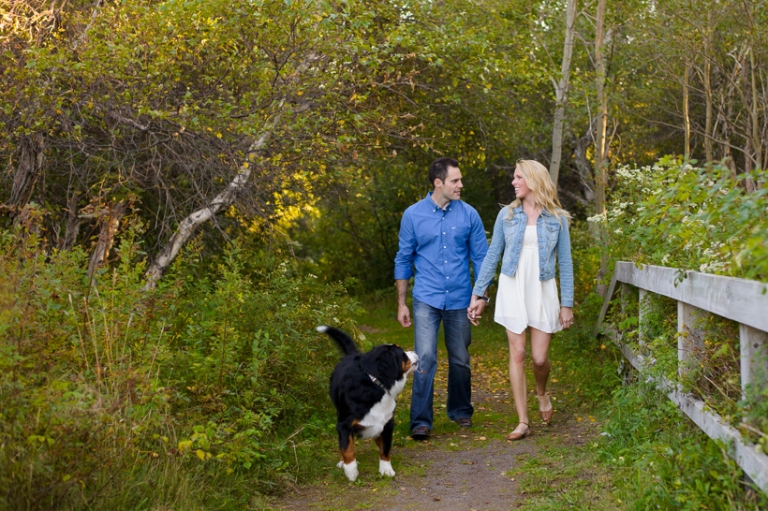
[112, 396]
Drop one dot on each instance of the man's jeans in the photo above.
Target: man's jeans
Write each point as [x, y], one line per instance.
[458, 337]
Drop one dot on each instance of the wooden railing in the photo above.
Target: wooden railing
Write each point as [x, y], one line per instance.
[743, 301]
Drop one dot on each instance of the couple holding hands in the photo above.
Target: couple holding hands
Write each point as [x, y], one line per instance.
[439, 236]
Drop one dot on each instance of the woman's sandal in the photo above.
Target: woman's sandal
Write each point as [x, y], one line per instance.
[546, 415]
[516, 435]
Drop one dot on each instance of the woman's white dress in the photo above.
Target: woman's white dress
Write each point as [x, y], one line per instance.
[523, 300]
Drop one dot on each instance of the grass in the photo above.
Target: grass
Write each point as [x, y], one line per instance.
[610, 447]
[564, 471]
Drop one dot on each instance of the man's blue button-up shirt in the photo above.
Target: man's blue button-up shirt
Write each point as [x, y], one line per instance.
[440, 243]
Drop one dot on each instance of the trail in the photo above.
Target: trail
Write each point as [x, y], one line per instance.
[466, 469]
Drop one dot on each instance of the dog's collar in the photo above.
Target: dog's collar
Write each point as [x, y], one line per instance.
[377, 382]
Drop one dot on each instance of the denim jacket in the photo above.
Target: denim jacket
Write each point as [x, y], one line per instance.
[554, 241]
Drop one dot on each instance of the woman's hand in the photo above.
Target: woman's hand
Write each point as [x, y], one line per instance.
[475, 310]
[566, 317]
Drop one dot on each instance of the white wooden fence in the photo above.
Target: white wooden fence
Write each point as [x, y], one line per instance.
[743, 301]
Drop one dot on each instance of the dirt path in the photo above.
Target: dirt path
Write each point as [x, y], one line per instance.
[465, 469]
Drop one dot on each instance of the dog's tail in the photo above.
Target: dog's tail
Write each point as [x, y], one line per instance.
[344, 341]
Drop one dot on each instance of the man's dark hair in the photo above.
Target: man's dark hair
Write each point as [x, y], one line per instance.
[439, 168]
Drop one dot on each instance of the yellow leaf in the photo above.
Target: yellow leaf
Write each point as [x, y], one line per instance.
[218, 135]
[200, 454]
[185, 445]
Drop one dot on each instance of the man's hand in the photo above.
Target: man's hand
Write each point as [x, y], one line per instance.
[475, 310]
[404, 315]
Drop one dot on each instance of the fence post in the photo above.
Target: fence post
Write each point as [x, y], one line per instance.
[689, 342]
[641, 313]
[754, 356]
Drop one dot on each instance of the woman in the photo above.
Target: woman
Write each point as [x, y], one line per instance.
[533, 232]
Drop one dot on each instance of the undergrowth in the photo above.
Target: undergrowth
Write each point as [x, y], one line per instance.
[115, 397]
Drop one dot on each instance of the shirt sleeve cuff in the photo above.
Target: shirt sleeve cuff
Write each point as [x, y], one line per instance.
[403, 274]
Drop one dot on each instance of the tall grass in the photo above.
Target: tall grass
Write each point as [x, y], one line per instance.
[115, 397]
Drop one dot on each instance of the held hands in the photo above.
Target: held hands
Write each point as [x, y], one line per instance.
[475, 310]
[404, 315]
[566, 317]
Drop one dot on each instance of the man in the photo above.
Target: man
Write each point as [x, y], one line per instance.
[440, 235]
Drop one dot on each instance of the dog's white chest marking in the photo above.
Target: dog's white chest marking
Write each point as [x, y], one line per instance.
[374, 421]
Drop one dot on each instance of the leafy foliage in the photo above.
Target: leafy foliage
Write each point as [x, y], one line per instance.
[194, 380]
[675, 214]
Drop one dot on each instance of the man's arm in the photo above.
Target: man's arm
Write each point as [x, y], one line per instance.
[403, 267]
[403, 313]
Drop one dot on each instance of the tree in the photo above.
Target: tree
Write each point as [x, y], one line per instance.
[561, 91]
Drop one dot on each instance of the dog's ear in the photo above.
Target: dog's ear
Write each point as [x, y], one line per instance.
[401, 360]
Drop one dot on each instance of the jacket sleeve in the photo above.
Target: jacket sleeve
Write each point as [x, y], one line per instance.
[566, 265]
[478, 242]
[491, 261]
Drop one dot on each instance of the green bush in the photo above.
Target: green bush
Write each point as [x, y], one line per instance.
[112, 396]
[704, 219]
[665, 463]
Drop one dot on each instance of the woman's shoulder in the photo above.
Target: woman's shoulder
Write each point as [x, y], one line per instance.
[561, 216]
[507, 212]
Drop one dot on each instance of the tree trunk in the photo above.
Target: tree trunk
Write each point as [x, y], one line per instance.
[602, 122]
[583, 166]
[561, 93]
[108, 224]
[73, 224]
[28, 170]
[224, 199]
[686, 109]
[756, 141]
[707, 79]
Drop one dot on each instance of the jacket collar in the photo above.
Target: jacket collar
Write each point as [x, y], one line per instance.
[519, 209]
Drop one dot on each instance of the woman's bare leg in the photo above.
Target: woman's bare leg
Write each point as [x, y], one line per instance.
[517, 376]
[541, 365]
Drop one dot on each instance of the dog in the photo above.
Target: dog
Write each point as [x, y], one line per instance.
[364, 389]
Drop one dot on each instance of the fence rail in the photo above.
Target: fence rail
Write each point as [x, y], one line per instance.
[743, 301]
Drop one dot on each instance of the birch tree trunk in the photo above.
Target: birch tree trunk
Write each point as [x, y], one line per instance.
[755, 111]
[686, 108]
[707, 79]
[27, 171]
[602, 122]
[561, 92]
[223, 200]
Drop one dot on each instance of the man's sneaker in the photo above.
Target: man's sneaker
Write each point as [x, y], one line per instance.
[464, 422]
[420, 433]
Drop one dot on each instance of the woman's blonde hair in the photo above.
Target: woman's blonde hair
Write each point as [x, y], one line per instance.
[537, 178]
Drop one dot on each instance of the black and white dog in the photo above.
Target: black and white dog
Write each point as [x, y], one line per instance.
[364, 389]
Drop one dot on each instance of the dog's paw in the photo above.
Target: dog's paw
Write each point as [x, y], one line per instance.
[385, 468]
[350, 469]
